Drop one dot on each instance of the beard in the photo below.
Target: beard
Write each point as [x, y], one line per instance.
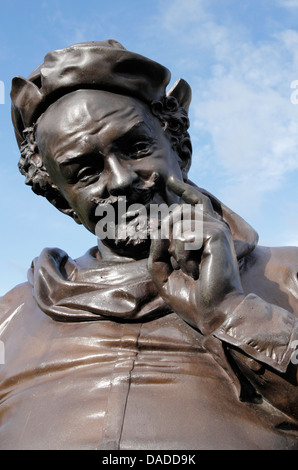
[135, 232]
[130, 228]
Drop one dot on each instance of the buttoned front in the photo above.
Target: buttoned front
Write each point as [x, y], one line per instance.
[116, 385]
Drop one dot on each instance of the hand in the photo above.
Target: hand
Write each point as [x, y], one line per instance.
[200, 283]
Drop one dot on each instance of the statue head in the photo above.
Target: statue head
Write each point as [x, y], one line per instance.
[94, 122]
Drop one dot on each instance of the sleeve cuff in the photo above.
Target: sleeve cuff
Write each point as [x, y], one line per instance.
[265, 332]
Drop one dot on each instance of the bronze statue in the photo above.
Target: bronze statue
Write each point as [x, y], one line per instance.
[142, 343]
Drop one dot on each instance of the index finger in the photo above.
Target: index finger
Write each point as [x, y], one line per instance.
[189, 194]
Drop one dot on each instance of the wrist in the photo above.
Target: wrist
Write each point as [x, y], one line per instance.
[216, 317]
[230, 303]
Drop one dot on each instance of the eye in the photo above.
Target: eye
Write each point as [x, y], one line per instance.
[86, 173]
[91, 167]
[139, 149]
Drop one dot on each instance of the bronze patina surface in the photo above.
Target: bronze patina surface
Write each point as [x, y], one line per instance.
[144, 342]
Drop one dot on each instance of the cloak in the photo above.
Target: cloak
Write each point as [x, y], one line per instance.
[94, 358]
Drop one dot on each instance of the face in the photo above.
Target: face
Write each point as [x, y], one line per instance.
[99, 147]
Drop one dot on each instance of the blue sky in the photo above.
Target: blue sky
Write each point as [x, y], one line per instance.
[240, 58]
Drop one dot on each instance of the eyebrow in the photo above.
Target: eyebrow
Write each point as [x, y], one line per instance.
[135, 127]
[68, 159]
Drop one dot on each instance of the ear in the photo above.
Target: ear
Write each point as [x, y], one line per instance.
[182, 92]
[25, 97]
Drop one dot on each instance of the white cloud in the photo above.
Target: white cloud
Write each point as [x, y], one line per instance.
[254, 132]
[244, 104]
[288, 3]
[181, 15]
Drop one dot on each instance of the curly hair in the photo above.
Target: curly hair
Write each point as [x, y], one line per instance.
[174, 120]
[36, 174]
[172, 117]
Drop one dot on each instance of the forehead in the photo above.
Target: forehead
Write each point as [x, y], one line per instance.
[88, 112]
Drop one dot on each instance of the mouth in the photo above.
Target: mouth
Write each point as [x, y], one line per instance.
[122, 222]
[133, 225]
[126, 221]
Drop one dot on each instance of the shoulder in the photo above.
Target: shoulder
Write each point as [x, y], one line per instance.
[272, 273]
[279, 262]
[285, 254]
[14, 299]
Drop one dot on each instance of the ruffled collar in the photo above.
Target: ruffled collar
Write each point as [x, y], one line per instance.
[91, 288]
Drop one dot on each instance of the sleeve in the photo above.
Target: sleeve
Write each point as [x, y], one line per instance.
[265, 332]
[262, 339]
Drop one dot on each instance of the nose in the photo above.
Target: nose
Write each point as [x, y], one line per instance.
[121, 177]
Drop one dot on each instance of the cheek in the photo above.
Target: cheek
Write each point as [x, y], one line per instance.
[163, 161]
[167, 163]
[87, 216]
[80, 202]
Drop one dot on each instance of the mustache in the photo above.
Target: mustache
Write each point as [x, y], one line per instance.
[140, 192]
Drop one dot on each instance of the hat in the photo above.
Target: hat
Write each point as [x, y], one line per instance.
[100, 65]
